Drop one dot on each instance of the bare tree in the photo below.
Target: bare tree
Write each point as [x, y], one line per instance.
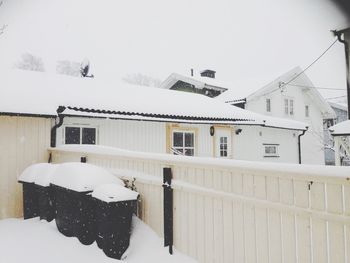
[67, 67]
[143, 80]
[3, 27]
[30, 62]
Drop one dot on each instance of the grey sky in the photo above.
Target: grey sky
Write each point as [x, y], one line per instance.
[246, 42]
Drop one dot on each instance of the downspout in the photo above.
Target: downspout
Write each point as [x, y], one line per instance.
[57, 125]
[346, 46]
[299, 143]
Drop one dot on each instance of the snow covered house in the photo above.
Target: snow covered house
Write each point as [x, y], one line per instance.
[291, 96]
[44, 109]
[205, 84]
[341, 112]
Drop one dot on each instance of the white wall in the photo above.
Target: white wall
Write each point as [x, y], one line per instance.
[312, 141]
[151, 137]
[248, 145]
[23, 141]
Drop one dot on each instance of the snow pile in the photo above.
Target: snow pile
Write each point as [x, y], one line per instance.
[114, 193]
[342, 128]
[82, 177]
[40, 173]
[39, 241]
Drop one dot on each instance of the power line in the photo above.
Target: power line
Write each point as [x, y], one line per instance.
[336, 97]
[305, 86]
[296, 76]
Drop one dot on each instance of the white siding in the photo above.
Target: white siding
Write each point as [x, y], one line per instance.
[248, 145]
[312, 141]
[151, 137]
[23, 141]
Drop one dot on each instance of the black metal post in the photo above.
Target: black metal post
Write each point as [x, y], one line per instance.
[168, 209]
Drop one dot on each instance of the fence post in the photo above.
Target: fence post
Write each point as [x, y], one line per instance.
[168, 209]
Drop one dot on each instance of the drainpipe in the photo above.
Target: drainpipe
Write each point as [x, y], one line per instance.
[57, 125]
[299, 144]
[346, 46]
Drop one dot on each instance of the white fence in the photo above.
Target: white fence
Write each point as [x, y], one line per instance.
[235, 211]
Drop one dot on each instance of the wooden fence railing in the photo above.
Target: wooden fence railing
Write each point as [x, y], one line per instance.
[236, 211]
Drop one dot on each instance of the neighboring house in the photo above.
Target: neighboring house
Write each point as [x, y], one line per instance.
[299, 100]
[39, 109]
[341, 112]
[205, 84]
[341, 135]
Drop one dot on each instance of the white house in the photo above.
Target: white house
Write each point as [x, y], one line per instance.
[341, 135]
[291, 96]
[39, 110]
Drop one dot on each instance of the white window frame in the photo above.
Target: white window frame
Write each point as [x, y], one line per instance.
[270, 145]
[223, 144]
[268, 104]
[81, 126]
[174, 149]
[288, 106]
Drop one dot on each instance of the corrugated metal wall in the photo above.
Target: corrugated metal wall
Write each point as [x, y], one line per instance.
[23, 141]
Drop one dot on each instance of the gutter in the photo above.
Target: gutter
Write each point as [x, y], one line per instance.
[346, 46]
[299, 144]
[59, 110]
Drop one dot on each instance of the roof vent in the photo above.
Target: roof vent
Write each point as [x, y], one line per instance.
[208, 73]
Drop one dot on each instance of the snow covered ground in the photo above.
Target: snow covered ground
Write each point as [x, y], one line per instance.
[38, 241]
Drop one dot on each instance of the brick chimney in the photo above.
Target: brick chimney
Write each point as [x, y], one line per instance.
[208, 73]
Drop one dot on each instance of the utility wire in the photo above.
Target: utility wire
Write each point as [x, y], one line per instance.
[304, 86]
[336, 97]
[282, 84]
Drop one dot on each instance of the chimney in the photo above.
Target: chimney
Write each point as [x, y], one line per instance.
[191, 72]
[208, 73]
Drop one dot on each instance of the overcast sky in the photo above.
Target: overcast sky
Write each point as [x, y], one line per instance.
[246, 42]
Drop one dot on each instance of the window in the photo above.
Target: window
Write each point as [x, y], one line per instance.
[291, 107]
[80, 135]
[307, 113]
[223, 146]
[268, 105]
[288, 106]
[183, 143]
[271, 150]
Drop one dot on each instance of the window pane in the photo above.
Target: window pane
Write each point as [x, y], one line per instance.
[306, 111]
[178, 151]
[72, 135]
[189, 142]
[89, 136]
[270, 149]
[268, 105]
[291, 105]
[189, 152]
[178, 139]
[286, 106]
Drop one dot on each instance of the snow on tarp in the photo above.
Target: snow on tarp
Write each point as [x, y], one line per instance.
[114, 193]
[125, 100]
[40, 173]
[82, 177]
[342, 128]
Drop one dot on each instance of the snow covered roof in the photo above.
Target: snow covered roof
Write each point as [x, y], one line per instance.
[338, 105]
[198, 81]
[341, 128]
[303, 82]
[41, 93]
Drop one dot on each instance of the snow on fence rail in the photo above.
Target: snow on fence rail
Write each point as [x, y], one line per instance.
[237, 211]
